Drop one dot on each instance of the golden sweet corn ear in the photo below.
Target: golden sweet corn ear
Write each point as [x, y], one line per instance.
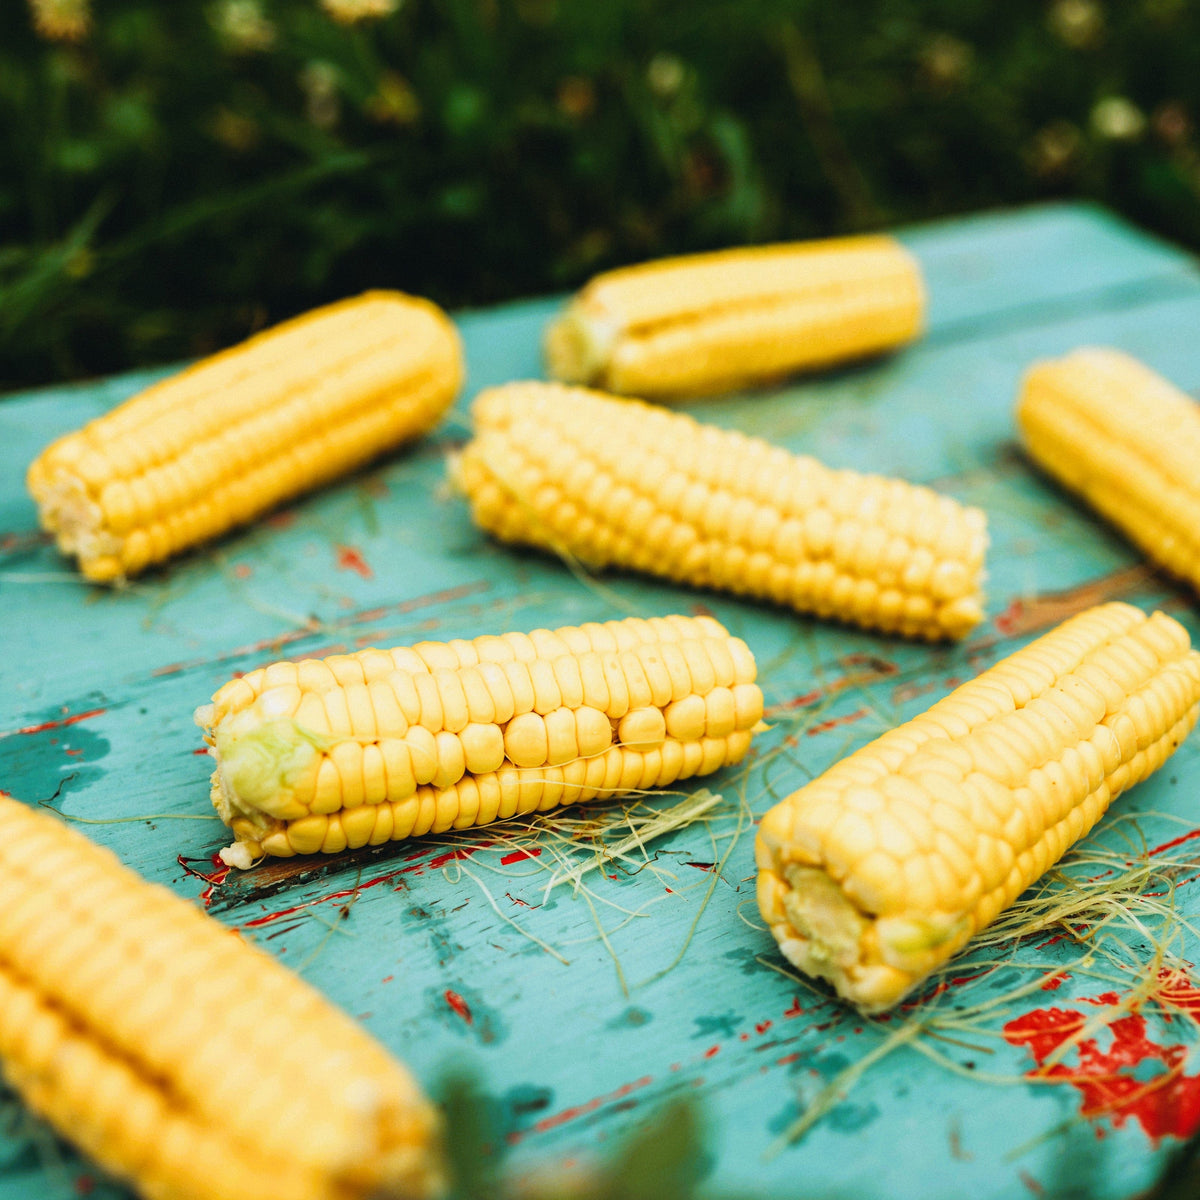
[180, 1058]
[365, 748]
[1107, 427]
[713, 322]
[237, 434]
[882, 868]
[613, 482]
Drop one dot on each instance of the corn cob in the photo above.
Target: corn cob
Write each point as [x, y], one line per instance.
[882, 868]
[614, 482]
[713, 322]
[371, 747]
[179, 1057]
[233, 436]
[1106, 426]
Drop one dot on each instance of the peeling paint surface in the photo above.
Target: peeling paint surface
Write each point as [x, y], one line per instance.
[581, 1012]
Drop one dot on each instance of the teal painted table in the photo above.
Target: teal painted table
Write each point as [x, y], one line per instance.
[581, 1012]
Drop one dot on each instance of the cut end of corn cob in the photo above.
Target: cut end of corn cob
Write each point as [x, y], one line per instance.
[361, 749]
[230, 438]
[180, 1058]
[881, 869]
[610, 482]
[1125, 439]
[712, 322]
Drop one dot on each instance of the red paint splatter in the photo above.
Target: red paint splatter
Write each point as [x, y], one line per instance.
[788, 1058]
[169, 669]
[517, 855]
[1055, 981]
[1186, 837]
[795, 1010]
[1010, 620]
[1166, 1104]
[763, 1026]
[387, 979]
[387, 877]
[200, 750]
[944, 986]
[834, 722]
[459, 1005]
[213, 878]
[701, 866]
[712, 1052]
[1031, 1183]
[58, 724]
[351, 559]
[440, 860]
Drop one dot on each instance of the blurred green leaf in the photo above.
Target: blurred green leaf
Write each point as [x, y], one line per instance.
[259, 158]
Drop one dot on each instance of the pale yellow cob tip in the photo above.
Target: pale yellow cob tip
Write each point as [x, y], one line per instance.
[184, 1061]
[711, 322]
[355, 750]
[237, 434]
[615, 482]
[882, 868]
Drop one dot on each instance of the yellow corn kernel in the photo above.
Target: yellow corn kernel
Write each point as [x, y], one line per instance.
[881, 869]
[1127, 441]
[620, 720]
[232, 437]
[718, 321]
[129, 1036]
[808, 537]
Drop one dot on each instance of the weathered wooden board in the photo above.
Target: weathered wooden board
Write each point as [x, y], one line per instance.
[97, 690]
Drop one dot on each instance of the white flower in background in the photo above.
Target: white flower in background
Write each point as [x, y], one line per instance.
[319, 83]
[946, 61]
[62, 20]
[1118, 118]
[665, 75]
[1079, 23]
[1055, 150]
[350, 11]
[243, 26]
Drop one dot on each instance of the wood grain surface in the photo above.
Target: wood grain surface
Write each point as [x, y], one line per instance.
[581, 1013]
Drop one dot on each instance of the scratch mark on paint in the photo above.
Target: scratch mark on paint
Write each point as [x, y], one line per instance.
[517, 855]
[1025, 615]
[834, 722]
[277, 641]
[590, 1106]
[60, 723]
[213, 878]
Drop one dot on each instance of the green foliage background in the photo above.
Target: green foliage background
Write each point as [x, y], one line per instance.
[190, 171]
